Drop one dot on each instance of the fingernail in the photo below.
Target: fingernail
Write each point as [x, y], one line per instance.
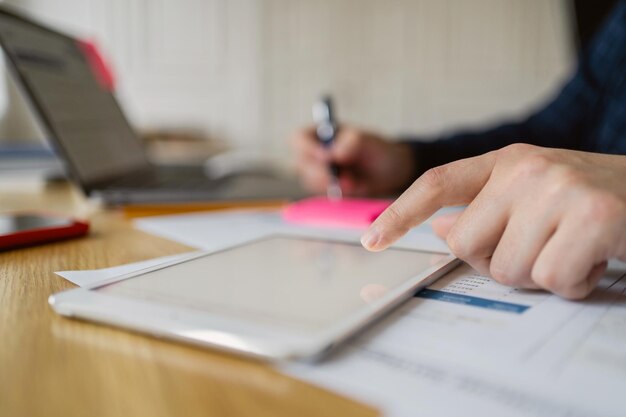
[370, 239]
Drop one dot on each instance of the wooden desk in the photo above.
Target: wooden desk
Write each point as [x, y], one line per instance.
[52, 366]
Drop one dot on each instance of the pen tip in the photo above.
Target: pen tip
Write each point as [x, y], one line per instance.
[333, 192]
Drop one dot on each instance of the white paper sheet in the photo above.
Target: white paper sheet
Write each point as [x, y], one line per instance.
[91, 277]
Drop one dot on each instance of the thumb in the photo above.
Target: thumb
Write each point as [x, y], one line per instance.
[442, 224]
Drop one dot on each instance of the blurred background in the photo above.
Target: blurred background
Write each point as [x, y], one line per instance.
[244, 73]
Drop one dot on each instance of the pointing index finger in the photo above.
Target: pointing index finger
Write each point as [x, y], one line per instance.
[452, 184]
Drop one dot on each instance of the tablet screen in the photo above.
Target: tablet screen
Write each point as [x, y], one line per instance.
[282, 281]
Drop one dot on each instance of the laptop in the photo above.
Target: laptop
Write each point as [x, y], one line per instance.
[89, 131]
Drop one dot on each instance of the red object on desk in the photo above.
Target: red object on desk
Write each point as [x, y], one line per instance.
[25, 229]
[101, 70]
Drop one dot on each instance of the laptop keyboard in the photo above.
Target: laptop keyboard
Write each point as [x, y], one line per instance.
[167, 179]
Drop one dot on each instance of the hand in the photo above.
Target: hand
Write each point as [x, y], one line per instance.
[537, 217]
[369, 164]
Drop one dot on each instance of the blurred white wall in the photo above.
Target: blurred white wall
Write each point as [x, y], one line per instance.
[247, 71]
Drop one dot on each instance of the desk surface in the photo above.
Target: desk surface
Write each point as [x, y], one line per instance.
[52, 366]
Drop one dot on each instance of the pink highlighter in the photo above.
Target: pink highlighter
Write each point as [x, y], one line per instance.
[345, 213]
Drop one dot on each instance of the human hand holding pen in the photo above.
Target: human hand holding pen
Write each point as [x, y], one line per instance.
[369, 164]
[536, 217]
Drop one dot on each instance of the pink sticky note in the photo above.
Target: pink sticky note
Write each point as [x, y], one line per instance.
[320, 211]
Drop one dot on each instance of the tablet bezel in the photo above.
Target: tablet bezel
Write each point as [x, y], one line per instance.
[248, 338]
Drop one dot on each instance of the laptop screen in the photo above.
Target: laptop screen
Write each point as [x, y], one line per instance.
[78, 110]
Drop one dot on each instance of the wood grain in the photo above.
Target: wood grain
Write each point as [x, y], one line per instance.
[53, 366]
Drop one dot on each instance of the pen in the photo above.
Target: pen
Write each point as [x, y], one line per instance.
[326, 132]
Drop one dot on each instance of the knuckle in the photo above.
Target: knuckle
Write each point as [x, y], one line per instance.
[502, 271]
[457, 245]
[434, 178]
[546, 279]
[503, 275]
[462, 247]
[603, 207]
[516, 149]
[569, 178]
[532, 166]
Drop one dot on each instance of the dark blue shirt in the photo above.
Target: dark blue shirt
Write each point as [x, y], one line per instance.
[588, 114]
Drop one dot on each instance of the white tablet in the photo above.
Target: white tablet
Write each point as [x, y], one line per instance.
[278, 298]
